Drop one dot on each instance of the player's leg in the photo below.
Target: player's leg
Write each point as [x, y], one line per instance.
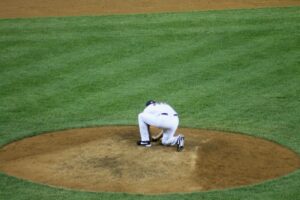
[146, 120]
[171, 125]
[144, 128]
[169, 138]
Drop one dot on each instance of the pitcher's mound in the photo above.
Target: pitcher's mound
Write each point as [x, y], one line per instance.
[108, 159]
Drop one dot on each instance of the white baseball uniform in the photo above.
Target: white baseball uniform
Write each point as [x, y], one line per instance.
[160, 115]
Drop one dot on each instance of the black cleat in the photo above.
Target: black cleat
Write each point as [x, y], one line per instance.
[180, 143]
[144, 143]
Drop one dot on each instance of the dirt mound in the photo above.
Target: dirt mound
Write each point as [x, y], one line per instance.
[34, 8]
[108, 159]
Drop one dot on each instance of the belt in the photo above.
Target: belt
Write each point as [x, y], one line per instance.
[168, 114]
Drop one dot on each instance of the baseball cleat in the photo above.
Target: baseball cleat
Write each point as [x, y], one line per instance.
[144, 143]
[180, 143]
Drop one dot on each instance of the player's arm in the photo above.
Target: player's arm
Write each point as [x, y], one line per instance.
[157, 137]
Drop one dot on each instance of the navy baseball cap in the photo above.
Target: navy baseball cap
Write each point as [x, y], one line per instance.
[150, 102]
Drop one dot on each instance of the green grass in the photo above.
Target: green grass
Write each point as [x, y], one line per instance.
[226, 70]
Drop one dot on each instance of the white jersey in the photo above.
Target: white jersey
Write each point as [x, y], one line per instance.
[159, 108]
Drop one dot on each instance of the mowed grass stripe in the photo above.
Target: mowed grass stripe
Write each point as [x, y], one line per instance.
[156, 68]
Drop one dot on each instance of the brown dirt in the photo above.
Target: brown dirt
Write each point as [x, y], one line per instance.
[40, 8]
[107, 159]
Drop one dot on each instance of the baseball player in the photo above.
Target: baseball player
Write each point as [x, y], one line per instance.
[163, 116]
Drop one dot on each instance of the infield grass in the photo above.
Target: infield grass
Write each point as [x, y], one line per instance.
[233, 70]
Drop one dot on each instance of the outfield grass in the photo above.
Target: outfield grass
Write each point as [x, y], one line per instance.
[226, 70]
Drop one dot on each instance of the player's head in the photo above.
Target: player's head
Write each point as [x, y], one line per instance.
[150, 102]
